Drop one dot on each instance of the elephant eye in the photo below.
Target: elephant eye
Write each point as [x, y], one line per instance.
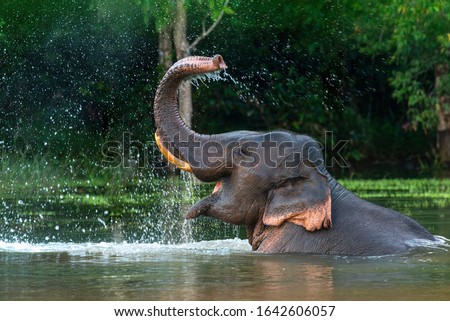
[244, 151]
[241, 151]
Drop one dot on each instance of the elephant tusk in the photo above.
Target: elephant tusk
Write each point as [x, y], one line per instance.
[170, 157]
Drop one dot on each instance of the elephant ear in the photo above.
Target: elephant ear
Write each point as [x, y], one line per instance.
[302, 201]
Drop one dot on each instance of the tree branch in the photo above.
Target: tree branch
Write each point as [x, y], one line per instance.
[210, 29]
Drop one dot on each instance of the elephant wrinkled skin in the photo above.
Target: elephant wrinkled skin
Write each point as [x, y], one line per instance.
[275, 183]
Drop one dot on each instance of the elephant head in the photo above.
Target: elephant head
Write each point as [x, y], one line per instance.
[274, 183]
[272, 177]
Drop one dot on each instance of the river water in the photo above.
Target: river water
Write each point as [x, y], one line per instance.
[224, 269]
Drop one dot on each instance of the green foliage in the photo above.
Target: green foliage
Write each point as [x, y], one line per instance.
[2, 35]
[161, 11]
[82, 79]
[424, 193]
[417, 36]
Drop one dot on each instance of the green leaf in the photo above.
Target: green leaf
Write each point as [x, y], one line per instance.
[228, 10]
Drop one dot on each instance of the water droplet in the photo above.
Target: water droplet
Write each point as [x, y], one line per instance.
[101, 221]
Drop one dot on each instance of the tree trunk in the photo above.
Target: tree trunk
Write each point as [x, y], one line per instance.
[182, 51]
[165, 48]
[443, 102]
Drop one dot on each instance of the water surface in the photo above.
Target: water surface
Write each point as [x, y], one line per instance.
[53, 262]
[213, 270]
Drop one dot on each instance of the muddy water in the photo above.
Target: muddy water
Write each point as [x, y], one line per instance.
[220, 270]
[214, 270]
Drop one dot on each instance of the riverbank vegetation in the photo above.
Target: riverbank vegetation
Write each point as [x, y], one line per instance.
[67, 183]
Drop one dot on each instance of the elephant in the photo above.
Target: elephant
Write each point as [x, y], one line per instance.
[275, 183]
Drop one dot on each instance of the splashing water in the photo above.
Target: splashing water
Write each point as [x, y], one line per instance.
[188, 181]
[127, 250]
[145, 208]
[220, 75]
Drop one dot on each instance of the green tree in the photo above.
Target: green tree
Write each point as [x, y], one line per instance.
[421, 43]
[2, 23]
[416, 33]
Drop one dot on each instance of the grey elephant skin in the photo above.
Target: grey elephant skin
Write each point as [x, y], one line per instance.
[275, 183]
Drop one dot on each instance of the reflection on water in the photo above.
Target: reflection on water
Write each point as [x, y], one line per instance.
[214, 270]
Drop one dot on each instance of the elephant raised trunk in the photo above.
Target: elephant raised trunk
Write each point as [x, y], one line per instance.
[179, 144]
